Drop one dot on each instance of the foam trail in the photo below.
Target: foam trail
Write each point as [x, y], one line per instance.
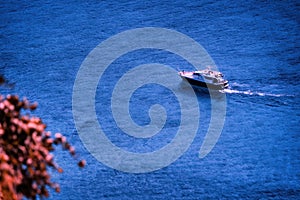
[248, 92]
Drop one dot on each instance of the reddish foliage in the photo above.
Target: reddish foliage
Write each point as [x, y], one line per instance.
[25, 151]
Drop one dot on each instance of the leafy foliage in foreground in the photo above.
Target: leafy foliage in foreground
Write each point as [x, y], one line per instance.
[25, 151]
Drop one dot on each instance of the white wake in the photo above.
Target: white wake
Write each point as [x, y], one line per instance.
[254, 93]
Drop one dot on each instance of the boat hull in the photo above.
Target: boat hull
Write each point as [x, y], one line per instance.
[198, 83]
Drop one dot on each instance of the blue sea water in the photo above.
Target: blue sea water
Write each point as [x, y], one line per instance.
[255, 44]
